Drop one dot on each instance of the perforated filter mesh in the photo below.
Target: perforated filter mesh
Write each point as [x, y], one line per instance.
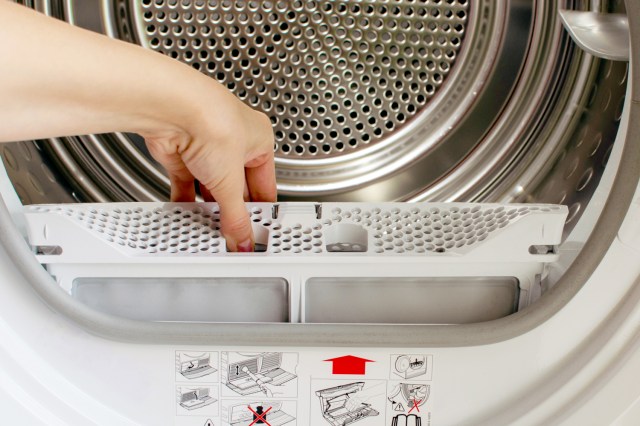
[174, 230]
[333, 75]
[195, 229]
[434, 230]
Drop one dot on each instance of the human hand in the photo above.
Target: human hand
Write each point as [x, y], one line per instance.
[230, 156]
[269, 390]
[362, 397]
[192, 125]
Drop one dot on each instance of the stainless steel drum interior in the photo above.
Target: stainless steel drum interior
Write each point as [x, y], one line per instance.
[432, 100]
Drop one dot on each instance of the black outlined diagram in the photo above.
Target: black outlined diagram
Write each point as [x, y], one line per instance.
[410, 366]
[196, 365]
[408, 397]
[198, 400]
[274, 413]
[406, 420]
[270, 374]
[349, 402]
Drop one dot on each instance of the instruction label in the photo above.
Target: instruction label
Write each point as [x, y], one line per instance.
[247, 387]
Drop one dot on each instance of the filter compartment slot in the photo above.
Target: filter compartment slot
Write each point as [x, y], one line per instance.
[187, 299]
[402, 300]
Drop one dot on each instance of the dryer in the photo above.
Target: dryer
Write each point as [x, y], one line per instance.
[459, 189]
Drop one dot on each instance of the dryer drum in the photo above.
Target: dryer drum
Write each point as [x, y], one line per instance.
[458, 100]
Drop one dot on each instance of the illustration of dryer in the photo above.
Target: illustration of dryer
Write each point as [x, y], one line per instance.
[406, 420]
[410, 366]
[196, 367]
[406, 396]
[249, 376]
[243, 414]
[192, 399]
[333, 402]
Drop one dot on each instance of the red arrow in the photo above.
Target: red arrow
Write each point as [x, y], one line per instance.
[348, 364]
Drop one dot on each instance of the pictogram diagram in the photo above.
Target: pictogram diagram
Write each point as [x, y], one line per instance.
[406, 420]
[408, 397]
[410, 366]
[350, 402]
[196, 365]
[270, 374]
[268, 413]
[194, 398]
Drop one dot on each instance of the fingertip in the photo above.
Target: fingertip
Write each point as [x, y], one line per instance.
[236, 226]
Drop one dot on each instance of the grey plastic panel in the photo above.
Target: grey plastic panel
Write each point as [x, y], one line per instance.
[187, 299]
[431, 300]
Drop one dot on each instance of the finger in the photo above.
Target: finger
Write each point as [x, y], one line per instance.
[234, 218]
[261, 181]
[206, 195]
[182, 181]
[245, 191]
[182, 188]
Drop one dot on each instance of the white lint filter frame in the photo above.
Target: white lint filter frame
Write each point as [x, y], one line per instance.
[388, 263]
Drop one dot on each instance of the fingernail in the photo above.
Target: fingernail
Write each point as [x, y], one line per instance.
[245, 246]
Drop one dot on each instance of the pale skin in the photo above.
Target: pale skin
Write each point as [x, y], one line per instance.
[58, 80]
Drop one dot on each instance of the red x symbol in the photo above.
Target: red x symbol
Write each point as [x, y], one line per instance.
[261, 417]
[415, 405]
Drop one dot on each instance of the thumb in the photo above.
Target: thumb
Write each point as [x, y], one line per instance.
[234, 218]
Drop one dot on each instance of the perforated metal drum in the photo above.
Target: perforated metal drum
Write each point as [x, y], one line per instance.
[469, 100]
[335, 77]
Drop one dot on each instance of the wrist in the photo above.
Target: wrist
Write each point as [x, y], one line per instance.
[191, 104]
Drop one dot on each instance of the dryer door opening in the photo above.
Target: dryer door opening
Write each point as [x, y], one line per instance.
[481, 101]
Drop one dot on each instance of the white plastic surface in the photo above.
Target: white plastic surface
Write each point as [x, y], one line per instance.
[186, 232]
[577, 365]
[84, 379]
[302, 241]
